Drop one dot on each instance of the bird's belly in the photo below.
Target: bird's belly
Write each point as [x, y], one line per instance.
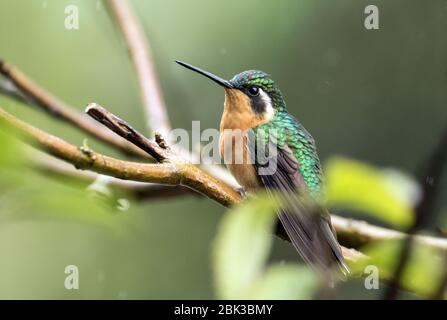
[234, 151]
[245, 175]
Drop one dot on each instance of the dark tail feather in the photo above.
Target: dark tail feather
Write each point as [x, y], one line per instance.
[335, 247]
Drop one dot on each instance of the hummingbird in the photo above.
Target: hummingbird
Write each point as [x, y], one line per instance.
[253, 102]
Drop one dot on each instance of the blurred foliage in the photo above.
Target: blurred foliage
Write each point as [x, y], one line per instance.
[422, 274]
[386, 195]
[243, 240]
[241, 250]
[373, 95]
[389, 196]
[48, 198]
[47, 224]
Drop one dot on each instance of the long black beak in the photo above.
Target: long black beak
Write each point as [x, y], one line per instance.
[209, 75]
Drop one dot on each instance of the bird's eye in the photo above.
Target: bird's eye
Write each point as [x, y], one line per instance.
[253, 91]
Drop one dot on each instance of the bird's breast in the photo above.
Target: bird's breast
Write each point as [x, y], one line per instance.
[233, 146]
[237, 119]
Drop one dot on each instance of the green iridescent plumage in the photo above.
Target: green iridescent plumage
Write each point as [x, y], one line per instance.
[298, 166]
[288, 132]
[263, 81]
[286, 129]
[258, 104]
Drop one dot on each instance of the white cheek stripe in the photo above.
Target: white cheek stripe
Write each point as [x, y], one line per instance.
[269, 111]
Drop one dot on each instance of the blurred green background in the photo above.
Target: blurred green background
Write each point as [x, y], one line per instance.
[375, 95]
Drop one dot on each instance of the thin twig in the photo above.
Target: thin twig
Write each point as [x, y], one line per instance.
[153, 101]
[138, 190]
[124, 130]
[28, 91]
[7, 88]
[141, 56]
[357, 233]
[168, 173]
[430, 178]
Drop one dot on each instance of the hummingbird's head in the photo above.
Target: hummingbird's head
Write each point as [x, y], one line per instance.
[251, 92]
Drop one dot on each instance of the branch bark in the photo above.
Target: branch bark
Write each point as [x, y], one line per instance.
[155, 109]
[28, 91]
[138, 190]
[169, 173]
[156, 150]
[174, 173]
[355, 233]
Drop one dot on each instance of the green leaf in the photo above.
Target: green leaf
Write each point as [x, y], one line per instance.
[27, 194]
[422, 274]
[242, 246]
[384, 194]
[241, 251]
[286, 282]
